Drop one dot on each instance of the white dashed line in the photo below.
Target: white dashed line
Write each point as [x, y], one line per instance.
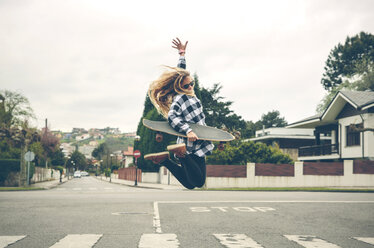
[237, 241]
[166, 240]
[78, 241]
[8, 240]
[309, 241]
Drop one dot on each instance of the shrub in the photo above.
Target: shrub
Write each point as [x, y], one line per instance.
[107, 172]
[244, 152]
[7, 166]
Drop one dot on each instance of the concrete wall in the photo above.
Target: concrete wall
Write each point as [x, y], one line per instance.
[304, 175]
[165, 177]
[350, 173]
[150, 177]
[43, 174]
[300, 179]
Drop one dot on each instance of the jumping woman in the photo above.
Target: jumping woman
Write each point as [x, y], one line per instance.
[173, 96]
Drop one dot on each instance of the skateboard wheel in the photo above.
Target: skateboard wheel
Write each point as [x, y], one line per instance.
[159, 137]
[221, 147]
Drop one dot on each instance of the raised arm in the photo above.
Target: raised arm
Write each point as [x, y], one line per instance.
[177, 44]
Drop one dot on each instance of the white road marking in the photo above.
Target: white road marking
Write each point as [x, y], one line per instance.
[8, 240]
[366, 240]
[78, 241]
[77, 188]
[156, 218]
[92, 188]
[237, 241]
[108, 188]
[61, 189]
[165, 240]
[174, 202]
[309, 241]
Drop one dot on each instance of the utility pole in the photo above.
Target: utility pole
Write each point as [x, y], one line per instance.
[45, 132]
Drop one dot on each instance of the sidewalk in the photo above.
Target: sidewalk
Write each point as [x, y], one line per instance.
[49, 184]
[141, 185]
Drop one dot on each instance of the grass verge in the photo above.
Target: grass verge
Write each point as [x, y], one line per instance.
[19, 188]
[314, 189]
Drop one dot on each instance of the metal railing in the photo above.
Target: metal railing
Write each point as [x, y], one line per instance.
[320, 150]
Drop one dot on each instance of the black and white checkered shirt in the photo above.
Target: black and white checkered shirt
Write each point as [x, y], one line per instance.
[188, 109]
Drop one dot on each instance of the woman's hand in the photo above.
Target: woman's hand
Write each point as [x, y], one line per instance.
[192, 136]
[179, 45]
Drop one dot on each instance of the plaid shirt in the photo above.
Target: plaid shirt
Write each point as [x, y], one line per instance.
[188, 109]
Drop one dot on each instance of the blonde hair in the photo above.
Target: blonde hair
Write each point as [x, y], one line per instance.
[162, 91]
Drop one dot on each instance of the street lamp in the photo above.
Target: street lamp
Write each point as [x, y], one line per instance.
[73, 163]
[137, 138]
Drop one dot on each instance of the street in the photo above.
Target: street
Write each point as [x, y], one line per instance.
[88, 212]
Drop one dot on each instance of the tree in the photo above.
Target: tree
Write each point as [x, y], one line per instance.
[100, 151]
[8, 151]
[77, 161]
[148, 143]
[14, 109]
[50, 144]
[218, 112]
[271, 119]
[361, 82]
[38, 150]
[343, 60]
[58, 158]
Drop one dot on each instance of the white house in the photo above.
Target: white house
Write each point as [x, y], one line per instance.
[82, 137]
[128, 156]
[288, 139]
[349, 120]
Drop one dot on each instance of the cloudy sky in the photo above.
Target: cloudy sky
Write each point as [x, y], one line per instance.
[87, 63]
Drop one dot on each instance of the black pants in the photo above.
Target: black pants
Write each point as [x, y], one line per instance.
[191, 174]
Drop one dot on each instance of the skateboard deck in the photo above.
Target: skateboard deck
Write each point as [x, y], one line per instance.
[202, 132]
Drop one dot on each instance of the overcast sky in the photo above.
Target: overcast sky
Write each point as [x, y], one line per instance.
[89, 63]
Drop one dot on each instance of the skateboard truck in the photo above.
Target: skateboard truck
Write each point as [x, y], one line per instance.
[159, 137]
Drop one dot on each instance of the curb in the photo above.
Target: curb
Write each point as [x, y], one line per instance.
[133, 186]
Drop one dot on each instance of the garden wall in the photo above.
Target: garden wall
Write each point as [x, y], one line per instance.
[301, 174]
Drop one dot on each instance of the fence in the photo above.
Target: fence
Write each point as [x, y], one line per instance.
[319, 150]
[130, 174]
[349, 173]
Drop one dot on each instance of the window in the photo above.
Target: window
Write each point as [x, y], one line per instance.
[353, 134]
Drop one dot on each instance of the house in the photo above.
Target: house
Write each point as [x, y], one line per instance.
[288, 139]
[128, 156]
[86, 150]
[67, 149]
[349, 121]
[82, 137]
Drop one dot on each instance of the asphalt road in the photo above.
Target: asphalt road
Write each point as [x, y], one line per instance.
[87, 212]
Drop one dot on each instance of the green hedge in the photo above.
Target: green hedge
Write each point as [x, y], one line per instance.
[7, 166]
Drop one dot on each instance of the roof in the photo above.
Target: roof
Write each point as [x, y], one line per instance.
[129, 152]
[360, 100]
[311, 119]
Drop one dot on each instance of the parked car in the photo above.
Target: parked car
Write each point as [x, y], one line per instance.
[84, 174]
[77, 174]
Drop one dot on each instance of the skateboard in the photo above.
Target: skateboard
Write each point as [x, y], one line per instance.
[202, 132]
